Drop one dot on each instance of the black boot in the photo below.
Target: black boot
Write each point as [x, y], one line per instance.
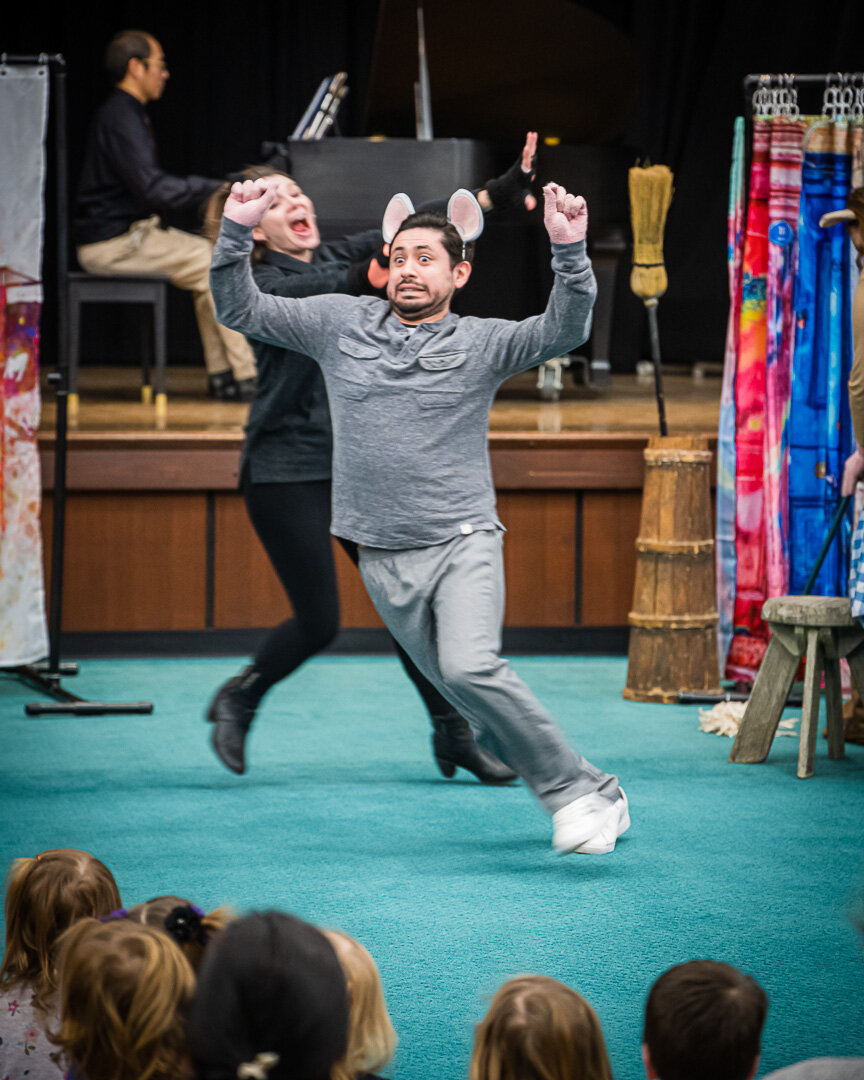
[454, 747]
[223, 386]
[231, 714]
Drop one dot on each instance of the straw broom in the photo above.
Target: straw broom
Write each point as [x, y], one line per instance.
[650, 196]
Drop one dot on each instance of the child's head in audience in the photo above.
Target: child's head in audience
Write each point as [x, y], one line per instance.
[539, 1029]
[190, 927]
[124, 992]
[270, 1004]
[703, 1021]
[44, 896]
[371, 1036]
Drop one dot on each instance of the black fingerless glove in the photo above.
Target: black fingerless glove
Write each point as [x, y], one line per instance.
[508, 191]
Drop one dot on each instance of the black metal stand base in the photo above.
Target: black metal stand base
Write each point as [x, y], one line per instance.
[66, 703]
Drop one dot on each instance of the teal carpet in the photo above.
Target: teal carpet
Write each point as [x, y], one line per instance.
[344, 820]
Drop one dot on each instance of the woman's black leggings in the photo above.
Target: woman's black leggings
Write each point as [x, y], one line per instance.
[293, 523]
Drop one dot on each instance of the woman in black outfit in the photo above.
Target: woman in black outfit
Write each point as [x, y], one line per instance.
[285, 465]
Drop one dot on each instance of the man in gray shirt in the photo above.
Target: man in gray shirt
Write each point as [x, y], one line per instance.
[410, 385]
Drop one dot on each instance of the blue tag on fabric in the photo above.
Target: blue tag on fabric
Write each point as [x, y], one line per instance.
[781, 233]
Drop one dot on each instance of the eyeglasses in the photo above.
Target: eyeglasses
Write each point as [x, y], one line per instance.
[160, 63]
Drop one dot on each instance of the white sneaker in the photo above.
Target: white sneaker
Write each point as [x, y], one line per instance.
[590, 825]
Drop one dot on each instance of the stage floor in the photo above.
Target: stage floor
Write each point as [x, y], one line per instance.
[110, 402]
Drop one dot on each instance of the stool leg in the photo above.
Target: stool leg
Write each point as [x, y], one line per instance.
[765, 707]
[810, 704]
[160, 350]
[146, 381]
[72, 400]
[855, 659]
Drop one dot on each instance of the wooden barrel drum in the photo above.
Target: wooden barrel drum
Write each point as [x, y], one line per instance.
[673, 624]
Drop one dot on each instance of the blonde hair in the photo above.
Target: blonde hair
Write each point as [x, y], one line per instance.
[124, 991]
[371, 1036]
[539, 1029]
[44, 896]
[155, 912]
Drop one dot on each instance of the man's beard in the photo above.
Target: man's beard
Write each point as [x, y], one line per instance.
[418, 307]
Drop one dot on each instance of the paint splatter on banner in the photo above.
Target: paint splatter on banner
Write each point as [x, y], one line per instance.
[23, 110]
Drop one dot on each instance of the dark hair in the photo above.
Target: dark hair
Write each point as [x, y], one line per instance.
[270, 983]
[450, 238]
[704, 1020]
[123, 47]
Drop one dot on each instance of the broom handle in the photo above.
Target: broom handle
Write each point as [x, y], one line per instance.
[842, 507]
[651, 306]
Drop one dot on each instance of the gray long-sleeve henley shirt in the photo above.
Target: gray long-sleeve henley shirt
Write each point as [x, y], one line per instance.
[410, 409]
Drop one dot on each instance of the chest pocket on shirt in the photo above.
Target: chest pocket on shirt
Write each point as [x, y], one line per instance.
[354, 369]
[441, 361]
[442, 379]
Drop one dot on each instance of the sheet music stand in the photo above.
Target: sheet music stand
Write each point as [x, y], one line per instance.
[320, 115]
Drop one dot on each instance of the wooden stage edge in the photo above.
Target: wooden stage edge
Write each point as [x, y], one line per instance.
[195, 461]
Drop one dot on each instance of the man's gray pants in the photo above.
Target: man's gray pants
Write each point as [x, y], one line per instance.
[445, 606]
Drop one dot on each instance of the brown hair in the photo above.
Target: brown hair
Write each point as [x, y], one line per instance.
[124, 991]
[216, 204]
[704, 1018]
[45, 896]
[190, 928]
[371, 1036]
[539, 1029]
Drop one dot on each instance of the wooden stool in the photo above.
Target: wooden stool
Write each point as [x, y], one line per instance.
[820, 629]
[121, 289]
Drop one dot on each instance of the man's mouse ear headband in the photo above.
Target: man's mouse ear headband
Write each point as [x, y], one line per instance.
[463, 212]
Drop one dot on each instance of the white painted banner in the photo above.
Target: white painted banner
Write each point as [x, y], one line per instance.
[23, 114]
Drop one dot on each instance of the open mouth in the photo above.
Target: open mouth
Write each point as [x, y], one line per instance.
[301, 227]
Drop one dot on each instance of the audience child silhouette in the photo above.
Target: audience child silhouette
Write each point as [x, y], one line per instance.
[44, 896]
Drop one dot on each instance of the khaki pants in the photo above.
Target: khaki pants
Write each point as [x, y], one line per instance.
[148, 249]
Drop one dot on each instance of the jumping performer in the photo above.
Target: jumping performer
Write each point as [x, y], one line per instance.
[286, 461]
[410, 385]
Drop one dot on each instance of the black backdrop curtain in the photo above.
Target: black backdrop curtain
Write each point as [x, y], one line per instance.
[241, 75]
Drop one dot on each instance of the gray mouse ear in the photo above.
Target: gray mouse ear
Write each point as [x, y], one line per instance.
[399, 208]
[465, 213]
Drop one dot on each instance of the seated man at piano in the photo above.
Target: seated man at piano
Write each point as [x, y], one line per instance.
[286, 461]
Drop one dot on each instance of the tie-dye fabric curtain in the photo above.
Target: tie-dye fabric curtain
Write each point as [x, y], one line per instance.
[749, 639]
[726, 433]
[820, 425]
[23, 112]
[785, 429]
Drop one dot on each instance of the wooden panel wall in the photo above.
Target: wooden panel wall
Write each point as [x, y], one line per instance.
[610, 525]
[133, 561]
[178, 561]
[185, 557]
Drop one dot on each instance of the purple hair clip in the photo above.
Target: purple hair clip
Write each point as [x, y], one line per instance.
[119, 913]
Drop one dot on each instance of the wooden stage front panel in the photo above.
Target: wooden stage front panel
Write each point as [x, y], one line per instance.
[157, 536]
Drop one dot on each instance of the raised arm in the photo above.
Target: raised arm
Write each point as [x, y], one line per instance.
[566, 322]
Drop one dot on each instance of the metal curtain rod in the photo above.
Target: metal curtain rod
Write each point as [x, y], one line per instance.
[803, 80]
[41, 58]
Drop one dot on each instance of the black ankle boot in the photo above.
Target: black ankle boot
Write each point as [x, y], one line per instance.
[223, 386]
[231, 714]
[454, 747]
